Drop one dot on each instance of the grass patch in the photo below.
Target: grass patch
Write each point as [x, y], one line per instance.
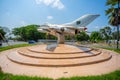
[108, 47]
[6, 76]
[14, 46]
[116, 50]
[111, 76]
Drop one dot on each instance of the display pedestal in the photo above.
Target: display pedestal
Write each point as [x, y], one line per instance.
[61, 38]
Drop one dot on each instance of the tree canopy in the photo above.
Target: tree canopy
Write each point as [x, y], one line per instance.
[106, 33]
[82, 36]
[113, 12]
[2, 33]
[95, 36]
[28, 32]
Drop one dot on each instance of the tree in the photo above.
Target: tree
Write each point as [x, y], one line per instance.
[82, 36]
[106, 33]
[95, 36]
[2, 33]
[112, 12]
[114, 35]
[69, 37]
[114, 15]
[49, 36]
[28, 32]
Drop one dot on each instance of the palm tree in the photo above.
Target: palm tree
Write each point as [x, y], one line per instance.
[112, 12]
[114, 15]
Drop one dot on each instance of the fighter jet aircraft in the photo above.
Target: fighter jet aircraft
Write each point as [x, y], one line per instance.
[71, 28]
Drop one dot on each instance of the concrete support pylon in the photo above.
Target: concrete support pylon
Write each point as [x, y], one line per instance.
[61, 38]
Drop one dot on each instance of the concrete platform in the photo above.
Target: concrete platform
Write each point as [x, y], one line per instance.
[64, 61]
[60, 49]
[58, 62]
[43, 55]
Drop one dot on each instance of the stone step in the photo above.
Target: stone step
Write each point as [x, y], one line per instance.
[20, 59]
[60, 49]
[28, 53]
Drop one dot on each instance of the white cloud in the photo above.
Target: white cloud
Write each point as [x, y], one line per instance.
[58, 4]
[49, 17]
[53, 3]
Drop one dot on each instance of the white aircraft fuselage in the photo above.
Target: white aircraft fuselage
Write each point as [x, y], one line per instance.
[71, 28]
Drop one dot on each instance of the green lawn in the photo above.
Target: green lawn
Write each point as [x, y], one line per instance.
[111, 76]
[14, 46]
[5, 76]
[116, 50]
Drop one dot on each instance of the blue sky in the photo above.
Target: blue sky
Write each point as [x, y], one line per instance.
[17, 13]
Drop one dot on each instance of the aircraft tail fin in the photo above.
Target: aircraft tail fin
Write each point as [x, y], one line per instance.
[83, 21]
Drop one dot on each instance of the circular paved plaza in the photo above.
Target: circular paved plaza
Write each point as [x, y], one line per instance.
[64, 61]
